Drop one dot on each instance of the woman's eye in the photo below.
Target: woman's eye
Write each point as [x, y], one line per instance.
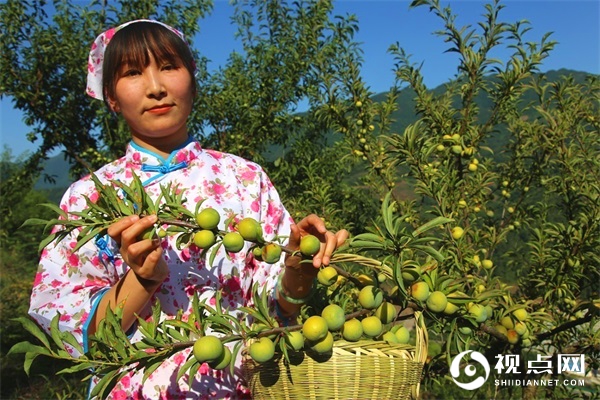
[168, 67]
[131, 72]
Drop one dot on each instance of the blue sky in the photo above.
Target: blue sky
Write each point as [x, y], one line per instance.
[575, 25]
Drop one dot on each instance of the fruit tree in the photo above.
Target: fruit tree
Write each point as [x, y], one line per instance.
[487, 227]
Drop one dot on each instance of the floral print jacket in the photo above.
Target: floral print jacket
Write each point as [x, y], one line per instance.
[72, 283]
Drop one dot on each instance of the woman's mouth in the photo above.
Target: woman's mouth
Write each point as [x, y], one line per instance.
[161, 109]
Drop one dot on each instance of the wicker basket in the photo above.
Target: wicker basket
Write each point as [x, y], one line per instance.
[354, 370]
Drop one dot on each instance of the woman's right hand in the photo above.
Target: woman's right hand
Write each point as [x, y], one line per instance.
[143, 256]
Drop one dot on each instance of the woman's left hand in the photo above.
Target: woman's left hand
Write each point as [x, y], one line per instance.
[314, 225]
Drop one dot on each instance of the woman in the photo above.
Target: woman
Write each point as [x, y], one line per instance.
[144, 70]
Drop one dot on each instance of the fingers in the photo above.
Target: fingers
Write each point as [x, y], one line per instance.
[327, 250]
[153, 267]
[341, 236]
[313, 224]
[116, 229]
[130, 234]
[295, 236]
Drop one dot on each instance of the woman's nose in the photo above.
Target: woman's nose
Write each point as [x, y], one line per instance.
[154, 85]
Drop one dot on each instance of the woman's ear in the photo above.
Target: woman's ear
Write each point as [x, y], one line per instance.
[113, 105]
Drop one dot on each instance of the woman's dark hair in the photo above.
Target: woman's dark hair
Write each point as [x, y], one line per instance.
[131, 46]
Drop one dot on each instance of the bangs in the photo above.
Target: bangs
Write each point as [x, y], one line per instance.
[135, 50]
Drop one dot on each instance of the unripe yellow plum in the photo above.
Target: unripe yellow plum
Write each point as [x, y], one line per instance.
[263, 350]
[402, 334]
[489, 310]
[500, 328]
[257, 253]
[386, 312]
[315, 328]
[411, 274]
[233, 242]
[324, 345]
[149, 233]
[372, 326]
[450, 308]
[352, 330]
[309, 245]
[420, 291]
[250, 229]
[327, 276]
[513, 336]
[478, 312]
[437, 301]
[521, 314]
[433, 349]
[365, 279]
[457, 232]
[334, 316]
[465, 330]
[271, 253]
[507, 322]
[295, 340]
[487, 264]
[204, 238]
[370, 297]
[208, 218]
[521, 328]
[390, 337]
[223, 361]
[208, 348]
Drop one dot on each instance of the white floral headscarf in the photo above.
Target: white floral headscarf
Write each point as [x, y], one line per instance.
[96, 57]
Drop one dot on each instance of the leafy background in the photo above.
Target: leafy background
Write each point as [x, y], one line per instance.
[317, 159]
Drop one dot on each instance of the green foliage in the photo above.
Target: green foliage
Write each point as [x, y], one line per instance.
[509, 155]
[44, 67]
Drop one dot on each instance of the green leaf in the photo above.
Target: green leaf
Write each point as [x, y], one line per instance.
[29, 358]
[430, 251]
[193, 371]
[83, 240]
[34, 329]
[185, 367]
[56, 209]
[106, 383]
[34, 221]
[69, 338]
[55, 332]
[175, 334]
[27, 347]
[149, 369]
[431, 224]
[49, 239]
[77, 368]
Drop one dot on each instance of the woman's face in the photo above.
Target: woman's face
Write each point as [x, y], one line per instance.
[156, 102]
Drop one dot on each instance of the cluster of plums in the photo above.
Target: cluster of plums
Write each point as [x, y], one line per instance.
[247, 229]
